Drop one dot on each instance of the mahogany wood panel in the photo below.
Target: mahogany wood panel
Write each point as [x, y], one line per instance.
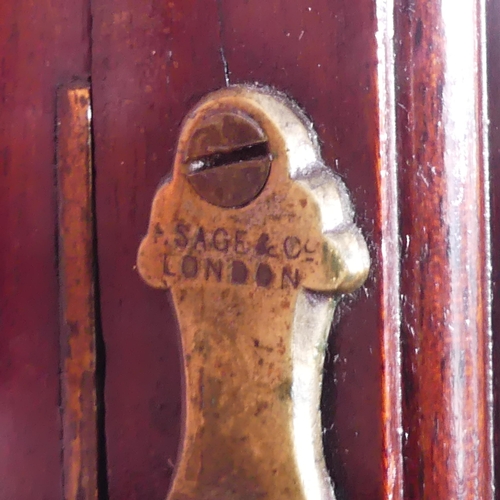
[151, 62]
[77, 295]
[441, 123]
[42, 44]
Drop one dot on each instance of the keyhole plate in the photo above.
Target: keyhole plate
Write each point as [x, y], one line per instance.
[255, 265]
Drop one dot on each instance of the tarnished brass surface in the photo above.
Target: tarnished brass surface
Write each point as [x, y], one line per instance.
[254, 289]
[228, 159]
[76, 280]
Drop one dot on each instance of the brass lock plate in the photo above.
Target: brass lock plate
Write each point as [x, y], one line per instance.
[254, 237]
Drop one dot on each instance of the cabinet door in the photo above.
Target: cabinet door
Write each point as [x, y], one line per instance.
[396, 92]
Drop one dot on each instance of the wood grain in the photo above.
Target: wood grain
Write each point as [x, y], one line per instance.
[39, 49]
[152, 61]
[441, 124]
[390, 254]
[77, 296]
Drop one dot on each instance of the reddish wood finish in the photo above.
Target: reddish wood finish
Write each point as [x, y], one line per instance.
[446, 330]
[39, 49]
[152, 60]
[76, 277]
[390, 255]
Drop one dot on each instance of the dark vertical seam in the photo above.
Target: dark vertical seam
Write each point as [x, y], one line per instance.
[100, 347]
[225, 64]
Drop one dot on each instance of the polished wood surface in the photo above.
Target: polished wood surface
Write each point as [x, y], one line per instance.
[150, 62]
[42, 44]
[446, 335]
[389, 255]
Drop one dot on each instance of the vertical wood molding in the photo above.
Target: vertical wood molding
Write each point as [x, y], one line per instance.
[445, 257]
[76, 275]
[390, 257]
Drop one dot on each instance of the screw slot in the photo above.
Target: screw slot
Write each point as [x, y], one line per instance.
[246, 153]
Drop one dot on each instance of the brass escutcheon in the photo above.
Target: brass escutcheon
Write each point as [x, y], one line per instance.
[254, 237]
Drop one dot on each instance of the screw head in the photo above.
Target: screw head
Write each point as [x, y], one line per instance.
[227, 159]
